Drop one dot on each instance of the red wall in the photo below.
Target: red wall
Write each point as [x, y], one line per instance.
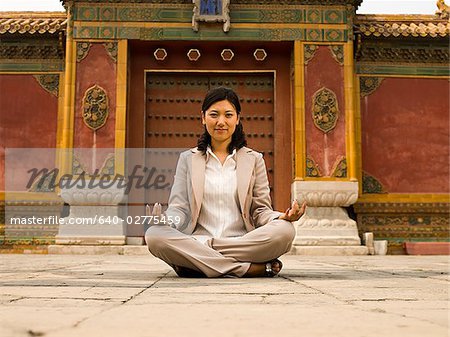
[28, 116]
[405, 135]
[326, 149]
[96, 68]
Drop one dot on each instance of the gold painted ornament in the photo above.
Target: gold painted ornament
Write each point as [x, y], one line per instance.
[325, 110]
[95, 107]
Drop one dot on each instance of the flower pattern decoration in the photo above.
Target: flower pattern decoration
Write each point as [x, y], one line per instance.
[325, 110]
[95, 107]
[312, 169]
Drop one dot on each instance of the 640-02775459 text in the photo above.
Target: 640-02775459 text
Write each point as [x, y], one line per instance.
[102, 220]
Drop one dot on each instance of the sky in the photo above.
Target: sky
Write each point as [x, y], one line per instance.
[367, 7]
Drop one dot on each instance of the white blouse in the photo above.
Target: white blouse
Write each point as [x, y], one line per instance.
[219, 214]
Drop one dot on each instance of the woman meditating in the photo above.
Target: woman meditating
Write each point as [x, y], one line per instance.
[221, 197]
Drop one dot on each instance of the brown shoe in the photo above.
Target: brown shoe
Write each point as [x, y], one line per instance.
[187, 272]
[269, 271]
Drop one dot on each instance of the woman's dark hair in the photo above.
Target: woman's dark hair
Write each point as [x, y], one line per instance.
[216, 95]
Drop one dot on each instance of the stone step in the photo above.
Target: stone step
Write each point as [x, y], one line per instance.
[98, 250]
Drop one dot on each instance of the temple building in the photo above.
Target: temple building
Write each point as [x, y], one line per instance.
[351, 113]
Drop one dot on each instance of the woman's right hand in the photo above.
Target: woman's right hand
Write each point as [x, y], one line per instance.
[155, 213]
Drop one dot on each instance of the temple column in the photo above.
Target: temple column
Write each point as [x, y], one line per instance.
[325, 149]
[92, 142]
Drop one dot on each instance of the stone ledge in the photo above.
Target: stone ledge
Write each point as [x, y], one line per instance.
[85, 240]
[97, 250]
[142, 250]
[329, 250]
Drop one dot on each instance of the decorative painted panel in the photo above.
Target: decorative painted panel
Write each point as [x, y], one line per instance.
[108, 21]
[385, 58]
[368, 85]
[96, 70]
[207, 33]
[239, 13]
[82, 50]
[30, 50]
[313, 16]
[401, 70]
[334, 16]
[111, 48]
[340, 168]
[30, 67]
[338, 53]
[334, 35]
[324, 98]
[49, 82]
[404, 222]
[371, 185]
[27, 55]
[269, 15]
[309, 52]
[312, 169]
[314, 35]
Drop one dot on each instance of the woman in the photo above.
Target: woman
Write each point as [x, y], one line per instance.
[221, 196]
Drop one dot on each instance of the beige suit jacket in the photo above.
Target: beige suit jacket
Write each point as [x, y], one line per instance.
[253, 189]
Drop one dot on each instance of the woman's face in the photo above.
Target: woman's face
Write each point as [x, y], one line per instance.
[220, 120]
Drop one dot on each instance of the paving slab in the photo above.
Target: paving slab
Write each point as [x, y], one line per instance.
[126, 295]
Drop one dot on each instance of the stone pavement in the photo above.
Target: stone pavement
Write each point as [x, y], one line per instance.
[111, 295]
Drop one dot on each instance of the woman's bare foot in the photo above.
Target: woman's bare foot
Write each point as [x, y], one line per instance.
[259, 269]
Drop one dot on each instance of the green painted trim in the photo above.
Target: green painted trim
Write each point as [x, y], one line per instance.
[412, 69]
[26, 240]
[211, 34]
[334, 35]
[163, 13]
[28, 67]
[314, 15]
[334, 16]
[132, 33]
[427, 239]
[267, 16]
[410, 239]
[314, 34]
[234, 34]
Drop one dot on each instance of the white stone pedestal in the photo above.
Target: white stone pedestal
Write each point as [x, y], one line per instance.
[94, 216]
[326, 228]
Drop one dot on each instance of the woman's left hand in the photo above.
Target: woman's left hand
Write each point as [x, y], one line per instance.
[294, 212]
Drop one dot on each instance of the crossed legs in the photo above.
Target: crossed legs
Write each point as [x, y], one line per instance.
[222, 256]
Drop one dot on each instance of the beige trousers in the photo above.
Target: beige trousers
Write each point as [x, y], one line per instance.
[220, 256]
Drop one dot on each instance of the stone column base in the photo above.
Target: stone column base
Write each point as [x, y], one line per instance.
[73, 231]
[94, 216]
[325, 228]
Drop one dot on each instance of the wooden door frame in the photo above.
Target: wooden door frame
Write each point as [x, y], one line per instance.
[213, 72]
[280, 67]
